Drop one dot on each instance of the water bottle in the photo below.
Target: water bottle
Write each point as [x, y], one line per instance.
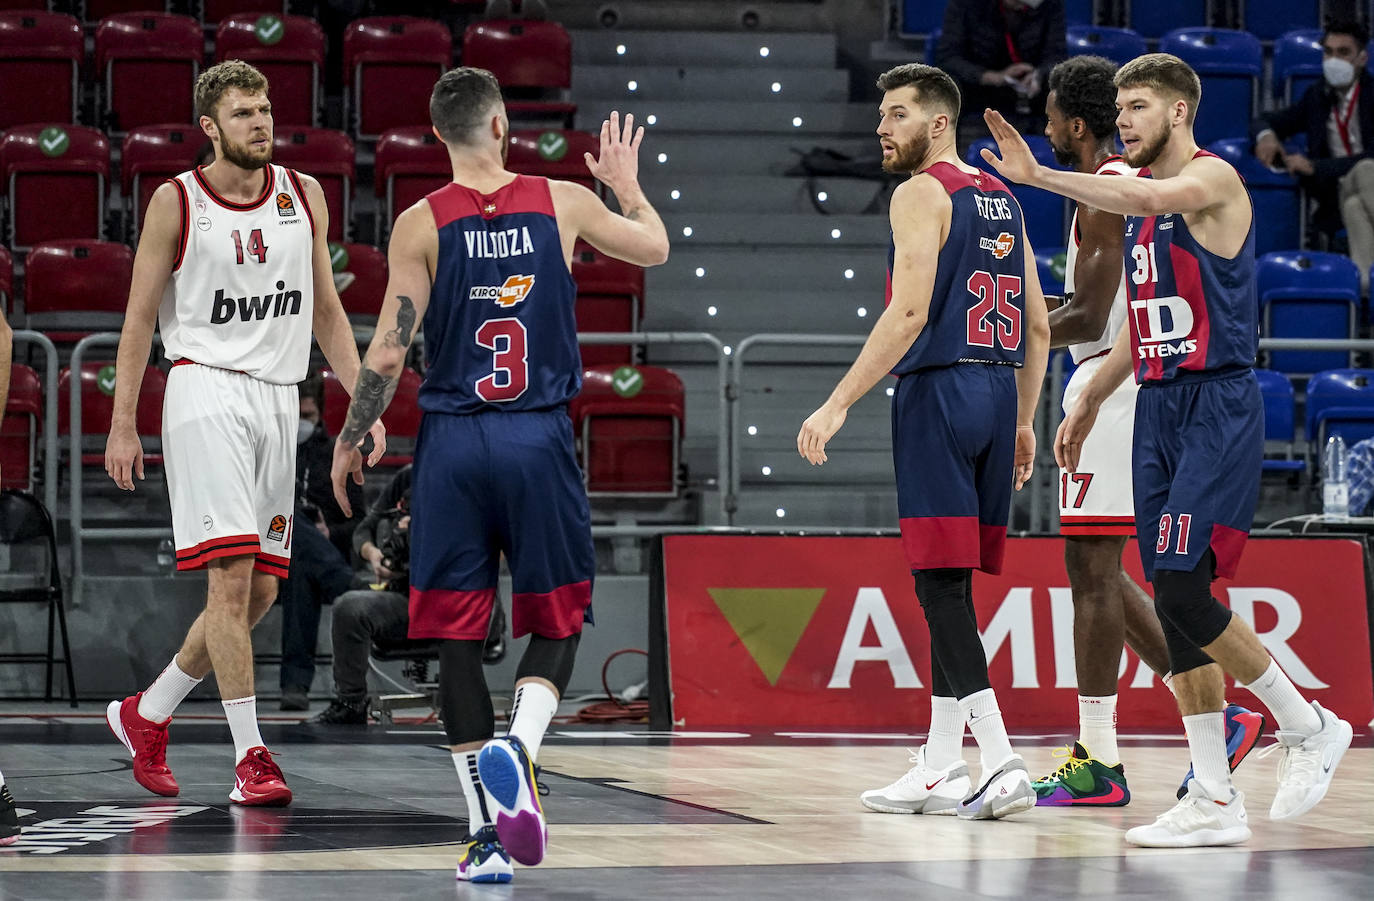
[166, 556]
[1336, 480]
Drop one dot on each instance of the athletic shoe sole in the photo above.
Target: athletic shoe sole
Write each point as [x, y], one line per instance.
[991, 804]
[115, 721]
[275, 798]
[932, 806]
[1202, 838]
[520, 820]
[1347, 734]
[8, 841]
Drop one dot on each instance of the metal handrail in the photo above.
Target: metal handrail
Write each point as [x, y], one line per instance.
[49, 414]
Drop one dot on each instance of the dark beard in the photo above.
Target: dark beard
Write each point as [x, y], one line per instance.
[907, 158]
[242, 157]
[505, 146]
[1147, 153]
[1063, 157]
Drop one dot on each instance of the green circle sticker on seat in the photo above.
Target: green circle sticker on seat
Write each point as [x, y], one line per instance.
[105, 380]
[627, 381]
[552, 146]
[1058, 264]
[338, 257]
[269, 30]
[53, 141]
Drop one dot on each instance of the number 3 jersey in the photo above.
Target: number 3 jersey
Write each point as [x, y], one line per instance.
[500, 333]
[978, 304]
[1190, 310]
[241, 295]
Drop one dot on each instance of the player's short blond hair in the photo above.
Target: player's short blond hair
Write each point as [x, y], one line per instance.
[1166, 75]
[216, 81]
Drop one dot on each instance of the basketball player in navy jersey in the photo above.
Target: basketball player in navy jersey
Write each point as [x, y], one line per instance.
[484, 264]
[1199, 432]
[966, 331]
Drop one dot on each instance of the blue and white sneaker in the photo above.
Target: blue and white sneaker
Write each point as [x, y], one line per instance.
[1243, 730]
[484, 860]
[1007, 791]
[507, 772]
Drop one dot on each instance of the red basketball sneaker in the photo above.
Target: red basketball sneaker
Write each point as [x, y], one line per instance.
[147, 744]
[258, 781]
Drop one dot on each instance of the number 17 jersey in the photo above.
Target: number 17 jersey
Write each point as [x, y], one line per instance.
[500, 332]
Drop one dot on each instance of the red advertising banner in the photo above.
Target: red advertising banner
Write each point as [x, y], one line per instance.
[825, 632]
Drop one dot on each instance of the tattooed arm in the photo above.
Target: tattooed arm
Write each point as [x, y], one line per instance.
[411, 258]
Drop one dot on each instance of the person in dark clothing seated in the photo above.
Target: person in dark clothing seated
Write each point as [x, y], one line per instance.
[382, 540]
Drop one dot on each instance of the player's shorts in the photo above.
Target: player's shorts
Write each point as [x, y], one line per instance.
[229, 446]
[953, 446]
[498, 482]
[1096, 500]
[1199, 446]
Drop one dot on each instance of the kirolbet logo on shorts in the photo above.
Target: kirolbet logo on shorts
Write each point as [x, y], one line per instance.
[508, 294]
[999, 246]
[276, 530]
[283, 303]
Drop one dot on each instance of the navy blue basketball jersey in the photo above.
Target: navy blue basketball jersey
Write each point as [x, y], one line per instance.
[978, 305]
[1190, 310]
[499, 331]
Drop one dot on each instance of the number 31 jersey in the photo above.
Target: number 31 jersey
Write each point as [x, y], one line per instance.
[500, 332]
[978, 303]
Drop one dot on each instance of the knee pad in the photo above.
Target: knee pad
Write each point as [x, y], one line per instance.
[1183, 654]
[464, 702]
[551, 659]
[1185, 599]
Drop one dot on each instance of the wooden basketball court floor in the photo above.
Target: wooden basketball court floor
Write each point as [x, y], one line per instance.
[633, 814]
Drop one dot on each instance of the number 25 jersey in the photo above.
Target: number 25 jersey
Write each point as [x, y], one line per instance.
[500, 332]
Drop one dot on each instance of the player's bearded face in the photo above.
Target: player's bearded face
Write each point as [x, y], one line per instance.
[1149, 147]
[250, 154]
[244, 124]
[907, 155]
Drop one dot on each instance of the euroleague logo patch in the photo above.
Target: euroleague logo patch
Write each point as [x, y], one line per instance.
[999, 246]
[277, 529]
[511, 292]
[286, 207]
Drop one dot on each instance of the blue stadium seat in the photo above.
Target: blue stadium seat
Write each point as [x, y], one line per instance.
[932, 42]
[1119, 45]
[1340, 402]
[1045, 213]
[1297, 63]
[1152, 18]
[921, 16]
[1279, 424]
[1078, 12]
[1278, 203]
[1229, 64]
[1267, 19]
[1049, 263]
[1307, 295]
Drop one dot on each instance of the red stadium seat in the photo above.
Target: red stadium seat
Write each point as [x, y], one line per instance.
[390, 66]
[55, 177]
[411, 162]
[151, 155]
[610, 298]
[40, 55]
[39, 5]
[327, 156]
[554, 153]
[630, 431]
[96, 10]
[362, 299]
[402, 416]
[147, 64]
[6, 280]
[212, 11]
[19, 429]
[531, 59]
[289, 50]
[73, 288]
[97, 406]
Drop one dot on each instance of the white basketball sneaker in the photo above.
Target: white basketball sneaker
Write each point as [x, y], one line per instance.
[923, 789]
[1196, 821]
[1007, 791]
[1308, 764]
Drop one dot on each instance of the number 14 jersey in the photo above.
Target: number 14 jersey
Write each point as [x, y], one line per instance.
[500, 332]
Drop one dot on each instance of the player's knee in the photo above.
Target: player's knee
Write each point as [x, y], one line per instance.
[550, 659]
[1092, 565]
[939, 590]
[464, 702]
[1184, 598]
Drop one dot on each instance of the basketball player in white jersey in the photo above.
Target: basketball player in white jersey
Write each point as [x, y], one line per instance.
[233, 266]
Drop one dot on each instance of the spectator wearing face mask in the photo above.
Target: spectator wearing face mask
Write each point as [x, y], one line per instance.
[1336, 115]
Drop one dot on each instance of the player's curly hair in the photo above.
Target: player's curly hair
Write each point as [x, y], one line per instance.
[1083, 89]
[216, 81]
[933, 86]
[1166, 75]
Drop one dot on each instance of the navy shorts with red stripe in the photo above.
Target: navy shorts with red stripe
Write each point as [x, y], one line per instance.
[491, 483]
[1199, 448]
[953, 445]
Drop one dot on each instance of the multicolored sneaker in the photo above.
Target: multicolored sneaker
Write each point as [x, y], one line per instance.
[508, 773]
[484, 860]
[1082, 780]
[9, 817]
[1243, 731]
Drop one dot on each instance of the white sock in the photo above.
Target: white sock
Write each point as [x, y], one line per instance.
[168, 690]
[946, 736]
[1168, 680]
[985, 722]
[1207, 743]
[530, 715]
[2, 778]
[474, 791]
[1277, 692]
[242, 714]
[1097, 727]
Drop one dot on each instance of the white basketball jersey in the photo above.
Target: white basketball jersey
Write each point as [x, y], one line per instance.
[241, 295]
[1112, 165]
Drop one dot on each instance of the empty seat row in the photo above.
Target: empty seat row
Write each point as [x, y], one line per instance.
[1266, 19]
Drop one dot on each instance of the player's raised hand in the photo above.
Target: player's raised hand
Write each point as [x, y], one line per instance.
[617, 165]
[1068, 441]
[1025, 456]
[124, 457]
[819, 428]
[1017, 163]
[348, 460]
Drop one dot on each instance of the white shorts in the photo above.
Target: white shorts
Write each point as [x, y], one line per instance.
[229, 446]
[1096, 500]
